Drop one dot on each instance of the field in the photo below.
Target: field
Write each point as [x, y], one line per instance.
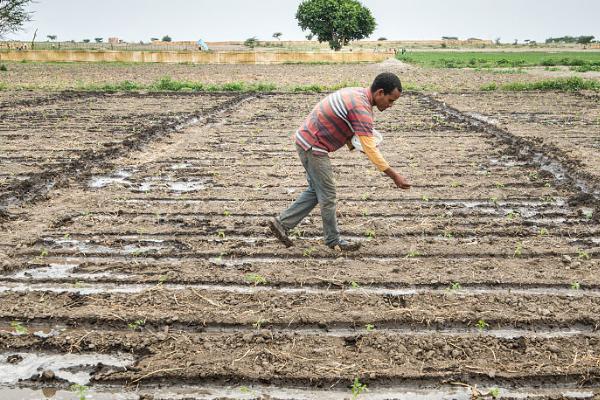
[136, 262]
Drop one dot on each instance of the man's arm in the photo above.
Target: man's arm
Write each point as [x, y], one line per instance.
[372, 152]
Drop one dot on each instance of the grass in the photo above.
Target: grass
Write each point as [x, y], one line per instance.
[447, 59]
[572, 84]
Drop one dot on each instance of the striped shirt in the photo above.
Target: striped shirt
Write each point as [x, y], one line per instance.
[336, 119]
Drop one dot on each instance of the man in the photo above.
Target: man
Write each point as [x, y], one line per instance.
[329, 126]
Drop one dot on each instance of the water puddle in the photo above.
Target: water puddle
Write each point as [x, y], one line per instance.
[119, 177]
[141, 246]
[122, 178]
[64, 271]
[56, 394]
[74, 368]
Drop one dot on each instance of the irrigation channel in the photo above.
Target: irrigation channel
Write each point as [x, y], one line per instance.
[136, 262]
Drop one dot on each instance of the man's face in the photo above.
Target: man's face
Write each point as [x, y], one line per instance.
[384, 101]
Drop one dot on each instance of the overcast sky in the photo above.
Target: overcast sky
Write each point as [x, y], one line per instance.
[219, 20]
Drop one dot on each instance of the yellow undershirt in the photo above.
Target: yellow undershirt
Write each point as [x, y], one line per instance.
[372, 152]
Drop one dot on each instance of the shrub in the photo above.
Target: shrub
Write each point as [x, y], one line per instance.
[3, 67]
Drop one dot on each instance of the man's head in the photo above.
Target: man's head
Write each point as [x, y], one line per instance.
[386, 89]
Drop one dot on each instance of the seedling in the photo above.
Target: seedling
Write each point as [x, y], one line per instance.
[354, 285]
[365, 212]
[494, 392]
[44, 252]
[66, 236]
[588, 214]
[221, 234]
[80, 390]
[308, 252]
[297, 233]
[575, 286]
[482, 325]
[455, 286]
[255, 279]
[357, 388]
[227, 213]
[137, 324]
[425, 198]
[365, 196]
[583, 255]
[370, 327]
[548, 185]
[259, 323]
[448, 234]
[512, 215]
[19, 328]
[370, 233]
[533, 176]
[500, 185]
[413, 253]
[518, 250]
[162, 279]
[494, 200]
[543, 232]
[245, 390]
[455, 184]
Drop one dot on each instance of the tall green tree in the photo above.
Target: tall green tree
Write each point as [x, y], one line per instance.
[13, 15]
[336, 21]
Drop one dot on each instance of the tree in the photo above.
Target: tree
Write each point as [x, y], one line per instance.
[277, 35]
[251, 42]
[166, 38]
[497, 41]
[336, 21]
[381, 39]
[86, 40]
[585, 39]
[51, 37]
[310, 37]
[154, 39]
[98, 39]
[13, 15]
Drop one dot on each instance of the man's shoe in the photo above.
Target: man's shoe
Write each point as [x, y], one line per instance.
[279, 232]
[345, 245]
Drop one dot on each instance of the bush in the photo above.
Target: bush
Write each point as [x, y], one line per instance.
[251, 42]
[3, 67]
[490, 87]
[562, 84]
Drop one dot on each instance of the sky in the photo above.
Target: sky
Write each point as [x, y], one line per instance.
[221, 20]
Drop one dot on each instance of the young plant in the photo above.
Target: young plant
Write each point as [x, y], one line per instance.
[162, 279]
[494, 201]
[518, 250]
[357, 388]
[543, 232]
[354, 285]
[494, 392]
[137, 324]
[259, 323]
[575, 286]
[482, 325]
[412, 253]
[221, 234]
[583, 255]
[19, 328]
[455, 184]
[80, 390]
[500, 185]
[256, 279]
[297, 233]
[370, 233]
[425, 198]
[448, 234]
[309, 252]
[370, 327]
[455, 286]
[44, 252]
[227, 213]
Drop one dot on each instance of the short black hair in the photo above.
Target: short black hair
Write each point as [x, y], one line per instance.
[386, 81]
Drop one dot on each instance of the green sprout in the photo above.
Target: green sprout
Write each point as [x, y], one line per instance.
[533, 176]
[354, 285]
[370, 233]
[245, 390]
[309, 252]
[297, 233]
[256, 279]
[448, 234]
[575, 286]
[44, 252]
[482, 325]
[66, 236]
[365, 196]
[543, 232]
[162, 279]
[227, 213]
[357, 388]
[494, 201]
[455, 184]
[137, 324]
[259, 323]
[500, 185]
[518, 250]
[19, 328]
[425, 198]
[221, 234]
[512, 215]
[80, 390]
[412, 253]
[588, 214]
[370, 327]
[583, 255]
[494, 392]
[455, 286]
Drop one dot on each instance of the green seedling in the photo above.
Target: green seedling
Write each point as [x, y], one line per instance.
[512, 215]
[259, 323]
[80, 390]
[370, 327]
[255, 279]
[500, 185]
[245, 390]
[482, 325]
[309, 252]
[221, 234]
[19, 328]
[66, 236]
[588, 214]
[533, 176]
[227, 213]
[455, 184]
[137, 324]
[575, 286]
[412, 253]
[357, 388]
[365, 196]
[162, 279]
[448, 234]
[494, 200]
[365, 212]
[79, 284]
[548, 185]
[354, 285]
[583, 255]
[455, 286]
[494, 392]
[543, 232]
[425, 198]
[297, 233]
[370, 233]
[518, 250]
[44, 252]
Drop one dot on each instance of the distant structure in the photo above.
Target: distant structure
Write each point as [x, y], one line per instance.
[114, 40]
[202, 45]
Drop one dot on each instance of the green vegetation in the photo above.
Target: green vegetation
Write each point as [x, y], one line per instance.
[446, 59]
[354, 285]
[370, 327]
[575, 286]
[455, 286]
[494, 392]
[572, 84]
[256, 279]
[518, 250]
[335, 21]
[583, 255]
[19, 328]
[137, 324]
[482, 325]
[80, 390]
[357, 388]
[251, 42]
[370, 233]
[3, 68]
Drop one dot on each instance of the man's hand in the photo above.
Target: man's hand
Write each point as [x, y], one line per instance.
[398, 179]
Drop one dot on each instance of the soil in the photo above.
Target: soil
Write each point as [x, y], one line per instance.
[135, 223]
